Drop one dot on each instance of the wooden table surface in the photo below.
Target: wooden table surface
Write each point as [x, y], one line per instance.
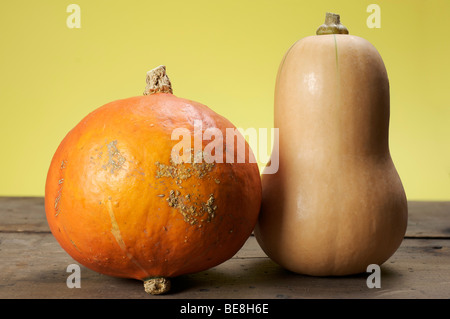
[33, 265]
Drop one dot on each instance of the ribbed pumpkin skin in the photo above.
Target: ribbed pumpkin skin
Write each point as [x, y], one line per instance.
[118, 206]
[336, 204]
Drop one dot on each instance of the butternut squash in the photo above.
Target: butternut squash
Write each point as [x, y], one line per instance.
[337, 203]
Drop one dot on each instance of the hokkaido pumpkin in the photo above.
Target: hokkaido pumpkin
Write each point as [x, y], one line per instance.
[119, 204]
[336, 204]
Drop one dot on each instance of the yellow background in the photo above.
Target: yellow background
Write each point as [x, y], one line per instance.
[224, 54]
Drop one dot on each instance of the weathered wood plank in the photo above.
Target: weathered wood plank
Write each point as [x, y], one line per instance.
[21, 214]
[428, 219]
[34, 266]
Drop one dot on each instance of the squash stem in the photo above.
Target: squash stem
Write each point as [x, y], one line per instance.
[158, 81]
[332, 25]
[156, 285]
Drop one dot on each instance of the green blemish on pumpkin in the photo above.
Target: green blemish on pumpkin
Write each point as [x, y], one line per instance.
[194, 212]
[115, 158]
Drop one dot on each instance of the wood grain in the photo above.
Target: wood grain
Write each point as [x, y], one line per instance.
[33, 265]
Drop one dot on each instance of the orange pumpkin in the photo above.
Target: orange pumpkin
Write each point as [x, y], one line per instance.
[119, 204]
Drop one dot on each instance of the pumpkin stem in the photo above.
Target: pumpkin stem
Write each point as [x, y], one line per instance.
[157, 285]
[332, 25]
[158, 81]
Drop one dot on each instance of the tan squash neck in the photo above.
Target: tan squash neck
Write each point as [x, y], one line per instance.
[332, 25]
[158, 81]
